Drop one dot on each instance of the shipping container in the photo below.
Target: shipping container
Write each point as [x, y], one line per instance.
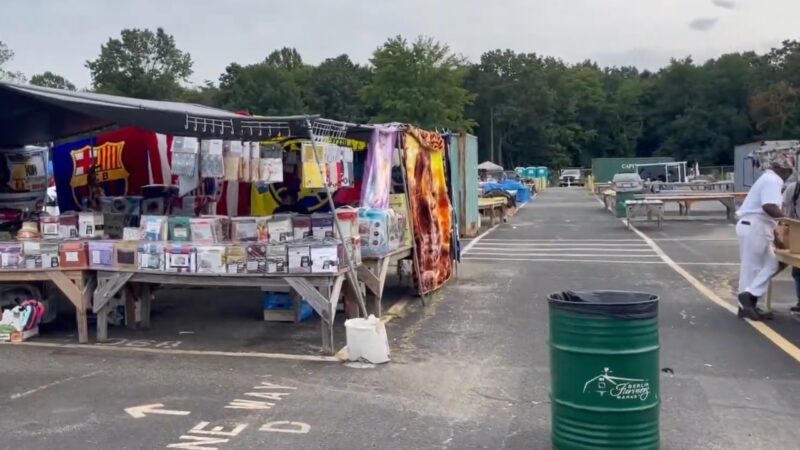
[463, 156]
[604, 169]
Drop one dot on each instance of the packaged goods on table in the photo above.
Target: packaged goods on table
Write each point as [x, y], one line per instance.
[131, 234]
[262, 229]
[179, 229]
[244, 229]
[353, 248]
[101, 254]
[236, 259]
[154, 228]
[277, 261]
[399, 204]
[322, 226]
[224, 225]
[206, 230]
[280, 228]
[126, 255]
[151, 256]
[375, 228]
[49, 227]
[68, 226]
[90, 225]
[40, 254]
[180, 258]
[301, 225]
[325, 256]
[74, 255]
[299, 257]
[256, 258]
[211, 258]
[11, 255]
[348, 220]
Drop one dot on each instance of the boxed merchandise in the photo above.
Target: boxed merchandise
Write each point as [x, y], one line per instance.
[68, 226]
[262, 229]
[120, 212]
[348, 220]
[322, 226]
[277, 261]
[256, 258]
[49, 227]
[211, 161]
[114, 224]
[206, 230]
[399, 204]
[153, 228]
[374, 228]
[40, 254]
[90, 225]
[73, 255]
[184, 156]
[301, 226]
[180, 258]
[325, 256]
[224, 223]
[236, 259]
[244, 229]
[255, 159]
[280, 228]
[232, 155]
[299, 257]
[313, 176]
[11, 255]
[131, 234]
[353, 247]
[151, 256]
[179, 229]
[271, 164]
[279, 307]
[101, 254]
[210, 258]
[126, 255]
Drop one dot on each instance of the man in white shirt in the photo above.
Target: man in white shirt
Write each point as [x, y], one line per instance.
[758, 218]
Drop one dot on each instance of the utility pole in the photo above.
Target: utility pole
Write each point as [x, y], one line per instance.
[491, 133]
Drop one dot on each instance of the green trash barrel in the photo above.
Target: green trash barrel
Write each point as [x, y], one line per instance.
[604, 370]
[621, 198]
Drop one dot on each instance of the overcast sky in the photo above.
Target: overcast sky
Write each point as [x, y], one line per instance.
[61, 35]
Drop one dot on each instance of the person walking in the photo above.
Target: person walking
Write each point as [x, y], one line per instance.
[791, 209]
[758, 218]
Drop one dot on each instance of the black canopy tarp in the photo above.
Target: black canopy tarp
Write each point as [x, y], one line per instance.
[33, 114]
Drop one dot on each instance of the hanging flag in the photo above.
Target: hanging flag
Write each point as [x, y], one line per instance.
[123, 160]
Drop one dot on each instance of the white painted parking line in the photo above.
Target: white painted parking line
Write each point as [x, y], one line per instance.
[593, 261]
[562, 249]
[563, 244]
[566, 255]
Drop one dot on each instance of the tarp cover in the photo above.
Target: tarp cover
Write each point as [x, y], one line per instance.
[33, 114]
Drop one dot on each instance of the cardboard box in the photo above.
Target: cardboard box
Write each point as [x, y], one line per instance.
[68, 226]
[73, 255]
[399, 204]
[322, 226]
[224, 226]
[301, 226]
[90, 225]
[180, 258]
[277, 259]
[353, 247]
[262, 229]
[151, 256]
[348, 220]
[126, 255]
[280, 228]
[211, 259]
[256, 258]
[236, 259]
[325, 256]
[206, 230]
[244, 229]
[153, 228]
[101, 254]
[11, 256]
[49, 227]
[179, 229]
[40, 254]
[131, 234]
[299, 257]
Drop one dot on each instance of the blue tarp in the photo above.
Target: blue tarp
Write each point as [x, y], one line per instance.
[523, 193]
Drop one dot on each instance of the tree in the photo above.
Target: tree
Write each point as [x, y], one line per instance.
[420, 83]
[335, 87]
[261, 89]
[52, 80]
[6, 55]
[141, 64]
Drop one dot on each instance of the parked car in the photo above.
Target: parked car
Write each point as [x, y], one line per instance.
[627, 182]
[571, 177]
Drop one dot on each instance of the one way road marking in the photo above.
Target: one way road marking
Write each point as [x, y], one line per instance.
[137, 412]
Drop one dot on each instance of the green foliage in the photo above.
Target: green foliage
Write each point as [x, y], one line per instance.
[52, 80]
[419, 83]
[141, 64]
[335, 87]
[6, 55]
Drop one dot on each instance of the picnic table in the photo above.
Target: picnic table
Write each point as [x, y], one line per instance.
[373, 271]
[685, 200]
[653, 211]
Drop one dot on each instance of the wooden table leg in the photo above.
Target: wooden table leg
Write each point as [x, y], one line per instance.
[79, 293]
[102, 323]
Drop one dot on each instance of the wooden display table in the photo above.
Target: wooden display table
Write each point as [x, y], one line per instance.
[493, 207]
[321, 291]
[652, 209]
[76, 285]
[685, 200]
[373, 271]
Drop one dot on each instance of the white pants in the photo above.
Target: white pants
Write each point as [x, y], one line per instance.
[756, 254]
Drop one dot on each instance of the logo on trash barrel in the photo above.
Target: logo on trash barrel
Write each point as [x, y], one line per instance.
[618, 387]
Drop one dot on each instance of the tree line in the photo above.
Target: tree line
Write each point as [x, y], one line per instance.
[526, 108]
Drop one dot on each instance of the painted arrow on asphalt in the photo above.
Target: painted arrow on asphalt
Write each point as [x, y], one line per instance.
[137, 412]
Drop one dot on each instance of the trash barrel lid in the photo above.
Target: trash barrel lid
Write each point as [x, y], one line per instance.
[616, 304]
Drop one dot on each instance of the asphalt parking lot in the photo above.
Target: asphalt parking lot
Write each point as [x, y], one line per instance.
[469, 370]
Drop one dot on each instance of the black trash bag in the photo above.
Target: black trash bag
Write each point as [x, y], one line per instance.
[613, 304]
